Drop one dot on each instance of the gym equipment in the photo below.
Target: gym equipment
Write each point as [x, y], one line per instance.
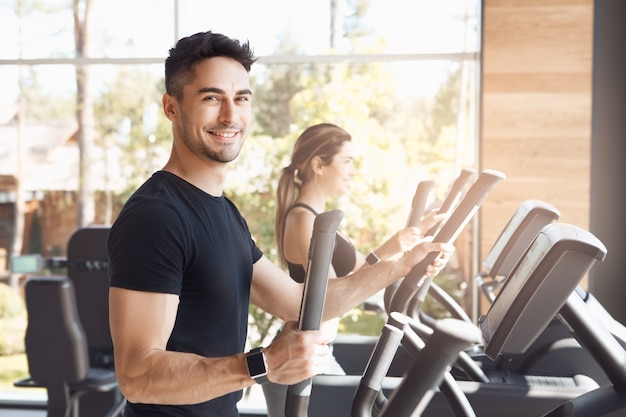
[314, 295]
[459, 218]
[453, 196]
[530, 394]
[527, 221]
[88, 268]
[416, 283]
[329, 387]
[56, 349]
[484, 184]
[506, 393]
[87, 273]
[555, 352]
[530, 217]
[555, 358]
[429, 369]
[608, 400]
[418, 392]
[418, 204]
[538, 287]
[368, 396]
[530, 300]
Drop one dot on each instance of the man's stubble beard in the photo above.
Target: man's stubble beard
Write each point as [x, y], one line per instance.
[198, 146]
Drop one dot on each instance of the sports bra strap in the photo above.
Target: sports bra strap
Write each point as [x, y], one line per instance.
[304, 206]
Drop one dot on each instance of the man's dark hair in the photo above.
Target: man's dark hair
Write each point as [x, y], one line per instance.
[190, 50]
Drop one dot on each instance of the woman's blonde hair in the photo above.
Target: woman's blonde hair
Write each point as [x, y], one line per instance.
[324, 141]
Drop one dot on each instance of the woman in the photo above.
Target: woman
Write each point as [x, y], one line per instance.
[322, 166]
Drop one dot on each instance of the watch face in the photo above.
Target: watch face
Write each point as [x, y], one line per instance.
[372, 258]
[256, 364]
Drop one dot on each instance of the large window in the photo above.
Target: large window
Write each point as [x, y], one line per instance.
[400, 75]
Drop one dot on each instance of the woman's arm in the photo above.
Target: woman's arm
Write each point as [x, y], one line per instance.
[275, 292]
[408, 237]
[345, 293]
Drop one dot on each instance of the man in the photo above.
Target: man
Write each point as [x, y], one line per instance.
[184, 267]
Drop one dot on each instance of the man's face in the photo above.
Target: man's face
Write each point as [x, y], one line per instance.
[216, 109]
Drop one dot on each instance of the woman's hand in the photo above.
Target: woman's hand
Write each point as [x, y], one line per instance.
[402, 241]
[431, 219]
[407, 238]
[419, 252]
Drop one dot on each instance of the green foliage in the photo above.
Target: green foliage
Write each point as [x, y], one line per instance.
[12, 336]
[276, 85]
[448, 280]
[35, 244]
[11, 303]
[361, 321]
[12, 321]
[37, 100]
[263, 327]
[14, 367]
[120, 112]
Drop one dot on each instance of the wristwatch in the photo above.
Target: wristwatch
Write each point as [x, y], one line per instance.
[372, 258]
[257, 366]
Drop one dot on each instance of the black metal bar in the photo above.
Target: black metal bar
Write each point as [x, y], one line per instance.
[369, 390]
[427, 371]
[597, 339]
[418, 205]
[416, 283]
[456, 191]
[314, 295]
[448, 302]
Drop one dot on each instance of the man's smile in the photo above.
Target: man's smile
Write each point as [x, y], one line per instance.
[225, 134]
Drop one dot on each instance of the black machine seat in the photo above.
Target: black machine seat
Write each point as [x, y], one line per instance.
[56, 348]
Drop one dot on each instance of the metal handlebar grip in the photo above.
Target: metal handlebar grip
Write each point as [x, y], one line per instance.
[448, 233]
[314, 294]
[418, 205]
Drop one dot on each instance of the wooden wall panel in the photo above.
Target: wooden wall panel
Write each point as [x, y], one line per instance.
[536, 108]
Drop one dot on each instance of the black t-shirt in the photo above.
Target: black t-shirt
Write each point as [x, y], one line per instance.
[171, 237]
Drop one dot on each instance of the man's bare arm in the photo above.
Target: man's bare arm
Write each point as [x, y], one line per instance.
[141, 323]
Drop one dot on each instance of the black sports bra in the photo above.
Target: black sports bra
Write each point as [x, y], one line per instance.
[344, 255]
